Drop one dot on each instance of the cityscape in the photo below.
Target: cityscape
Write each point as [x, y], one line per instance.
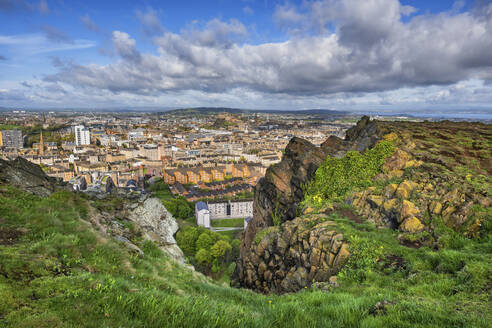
[246, 163]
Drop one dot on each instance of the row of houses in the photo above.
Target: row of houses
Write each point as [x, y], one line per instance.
[195, 195]
[197, 175]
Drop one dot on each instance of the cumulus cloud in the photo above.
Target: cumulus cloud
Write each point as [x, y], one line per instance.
[343, 50]
[149, 21]
[124, 46]
[89, 23]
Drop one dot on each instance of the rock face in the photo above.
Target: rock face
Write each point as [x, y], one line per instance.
[279, 193]
[158, 225]
[29, 177]
[440, 173]
[290, 257]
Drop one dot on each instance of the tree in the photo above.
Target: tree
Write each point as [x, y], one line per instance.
[204, 241]
[220, 249]
[186, 240]
[203, 257]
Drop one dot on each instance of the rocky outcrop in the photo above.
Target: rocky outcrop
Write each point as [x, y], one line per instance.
[278, 194]
[158, 225]
[439, 174]
[292, 256]
[29, 177]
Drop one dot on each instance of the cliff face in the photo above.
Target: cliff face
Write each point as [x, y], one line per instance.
[279, 193]
[439, 174]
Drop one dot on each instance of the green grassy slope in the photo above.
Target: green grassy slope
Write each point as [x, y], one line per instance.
[57, 271]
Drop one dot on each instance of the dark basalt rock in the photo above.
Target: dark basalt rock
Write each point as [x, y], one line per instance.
[29, 177]
[279, 193]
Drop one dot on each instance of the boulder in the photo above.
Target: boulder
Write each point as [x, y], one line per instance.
[412, 224]
[158, 225]
[408, 209]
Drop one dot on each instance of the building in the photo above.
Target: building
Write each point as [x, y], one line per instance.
[230, 209]
[202, 214]
[11, 138]
[82, 136]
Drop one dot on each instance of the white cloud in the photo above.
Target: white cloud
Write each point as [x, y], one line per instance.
[342, 53]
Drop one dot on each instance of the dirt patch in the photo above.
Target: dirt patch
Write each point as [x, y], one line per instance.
[349, 214]
[394, 262]
[9, 236]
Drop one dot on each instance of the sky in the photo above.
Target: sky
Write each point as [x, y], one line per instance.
[380, 55]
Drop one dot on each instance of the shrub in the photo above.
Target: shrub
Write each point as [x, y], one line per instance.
[186, 240]
[336, 177]
[204, 241]
[220, 249]
[203, 257]
[364, 255]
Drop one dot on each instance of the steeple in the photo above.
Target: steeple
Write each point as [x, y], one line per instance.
[41, 144]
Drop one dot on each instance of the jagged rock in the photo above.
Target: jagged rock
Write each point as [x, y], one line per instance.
[390, 190]
[280, 191]
[397, 161]
[447, 212]
[29, 177]
[408, 209]
[311, 250]
[405, 189]
[158, 225]
[412, 224]
[375, 201]
[435, 207]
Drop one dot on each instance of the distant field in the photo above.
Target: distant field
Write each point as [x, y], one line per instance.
[226, 223]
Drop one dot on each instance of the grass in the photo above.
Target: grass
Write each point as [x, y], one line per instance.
[58, 272]
[227, 223]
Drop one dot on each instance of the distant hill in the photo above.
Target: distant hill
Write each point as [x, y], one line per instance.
[212, 110]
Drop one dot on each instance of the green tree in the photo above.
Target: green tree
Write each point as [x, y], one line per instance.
[203, 257]
[186, 240]
[220, 249]
[204, 241]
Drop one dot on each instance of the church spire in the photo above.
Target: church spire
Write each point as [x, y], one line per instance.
[41, 144]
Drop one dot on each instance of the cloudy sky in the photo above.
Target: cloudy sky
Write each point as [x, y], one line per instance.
[385, 55]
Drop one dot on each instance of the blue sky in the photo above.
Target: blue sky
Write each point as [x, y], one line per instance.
[384, 55]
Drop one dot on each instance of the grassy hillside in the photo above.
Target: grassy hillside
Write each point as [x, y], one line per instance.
[57, 271]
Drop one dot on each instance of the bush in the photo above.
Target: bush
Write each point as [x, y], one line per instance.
[203, 257]
[220, 249]
[204, 241]
[336, 177]
[364, 255]
[179, 207]
[186, 240]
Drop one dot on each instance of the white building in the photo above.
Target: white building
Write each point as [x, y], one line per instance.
[202, 214]
[82, 135]
[230, 209]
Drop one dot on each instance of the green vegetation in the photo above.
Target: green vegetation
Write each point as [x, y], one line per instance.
[210, 252]
[336, 177]
[227, 223]
[56, 271]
